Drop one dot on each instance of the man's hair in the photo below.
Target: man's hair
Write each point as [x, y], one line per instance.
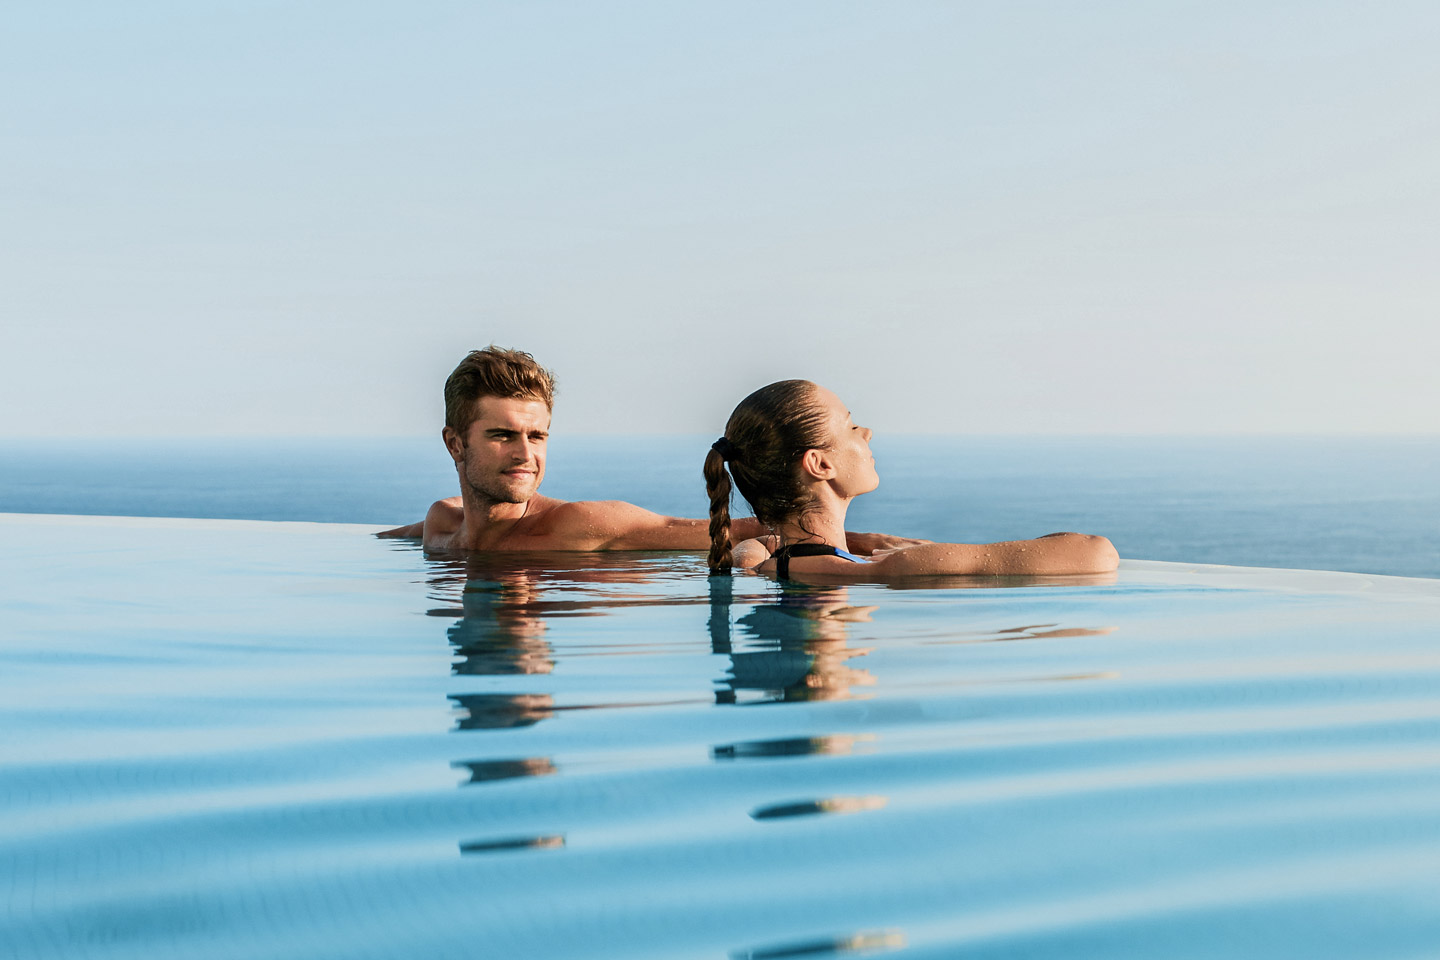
[494, 372]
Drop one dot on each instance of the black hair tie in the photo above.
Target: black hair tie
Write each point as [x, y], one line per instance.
[726, 449]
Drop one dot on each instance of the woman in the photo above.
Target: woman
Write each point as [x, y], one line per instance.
[799, 460]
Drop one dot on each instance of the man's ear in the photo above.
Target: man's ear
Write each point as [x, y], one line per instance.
[816, 463]
[454, 443]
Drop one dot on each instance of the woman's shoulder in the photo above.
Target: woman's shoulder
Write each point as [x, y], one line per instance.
[749, 554]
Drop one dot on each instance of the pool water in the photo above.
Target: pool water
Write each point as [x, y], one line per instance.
[242, 739]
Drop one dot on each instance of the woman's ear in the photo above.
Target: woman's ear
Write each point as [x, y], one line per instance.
[816, 463]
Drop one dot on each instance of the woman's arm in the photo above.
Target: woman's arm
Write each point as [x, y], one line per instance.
[1055, 554]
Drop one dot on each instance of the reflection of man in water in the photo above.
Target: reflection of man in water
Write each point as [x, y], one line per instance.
[498, 633]
[802, 651]
[497, 421]
[493, 711]
[503, 621]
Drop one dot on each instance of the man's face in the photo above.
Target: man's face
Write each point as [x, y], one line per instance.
[502, 455]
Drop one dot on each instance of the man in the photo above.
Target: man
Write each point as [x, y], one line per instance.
[497, 421]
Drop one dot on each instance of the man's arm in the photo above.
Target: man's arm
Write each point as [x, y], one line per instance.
[865, 544]
[596, 525]
[409, 530]
[624, 526]
[860, 544]
[442, 519]
[617, 525]
[744, 528]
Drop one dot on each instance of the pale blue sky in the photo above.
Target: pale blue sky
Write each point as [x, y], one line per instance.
[232, 218]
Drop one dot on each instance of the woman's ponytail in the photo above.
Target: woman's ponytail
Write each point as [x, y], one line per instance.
[717, 485]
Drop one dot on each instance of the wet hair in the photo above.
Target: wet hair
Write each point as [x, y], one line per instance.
[764, 440]
[494, 372]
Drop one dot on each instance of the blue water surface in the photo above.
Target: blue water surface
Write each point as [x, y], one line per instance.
[230, 739]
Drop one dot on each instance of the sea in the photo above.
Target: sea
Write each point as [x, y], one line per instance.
[1361, 504]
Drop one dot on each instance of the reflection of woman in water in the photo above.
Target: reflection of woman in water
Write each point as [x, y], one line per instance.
[799, 459]
[792, 649]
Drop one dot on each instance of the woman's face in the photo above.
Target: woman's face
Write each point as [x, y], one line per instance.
[849, 448]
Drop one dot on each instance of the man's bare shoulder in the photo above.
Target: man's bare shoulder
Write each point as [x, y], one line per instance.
[442, 520]
[449, 511]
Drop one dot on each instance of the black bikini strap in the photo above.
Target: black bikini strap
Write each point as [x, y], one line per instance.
[783, 555]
